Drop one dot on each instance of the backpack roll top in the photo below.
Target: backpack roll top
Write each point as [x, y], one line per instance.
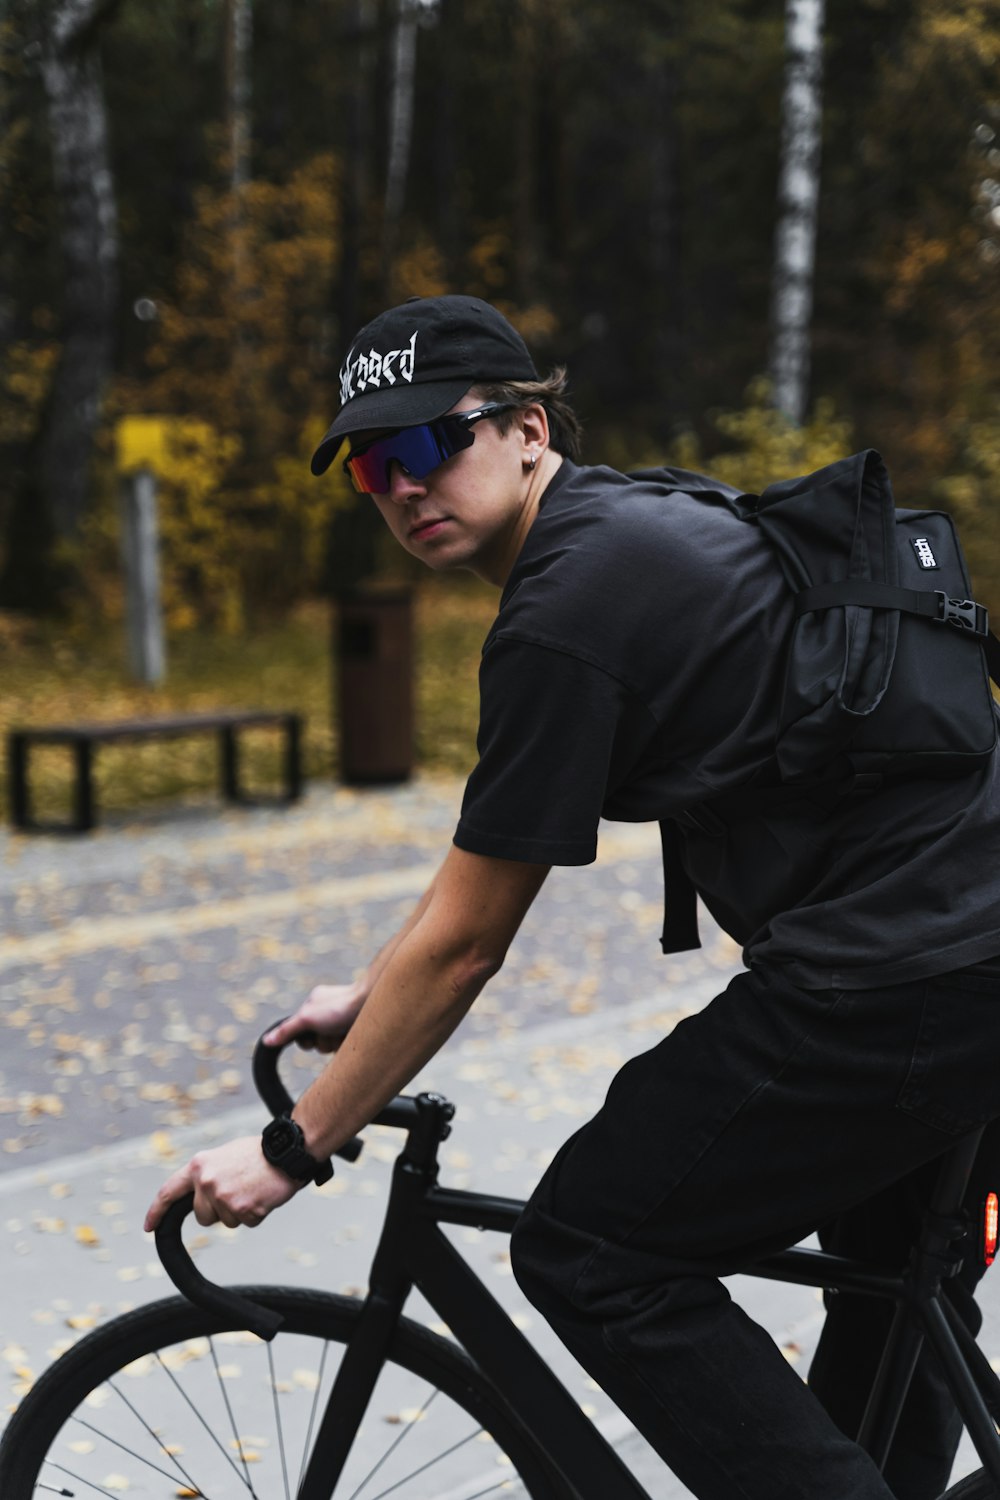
[886, 672]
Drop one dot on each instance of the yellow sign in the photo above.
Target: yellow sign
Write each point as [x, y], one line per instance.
[145, 442]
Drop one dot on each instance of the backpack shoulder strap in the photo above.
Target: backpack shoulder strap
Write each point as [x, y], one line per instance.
[680, 903]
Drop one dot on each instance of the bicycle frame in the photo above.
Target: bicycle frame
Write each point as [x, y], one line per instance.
[414, 1252]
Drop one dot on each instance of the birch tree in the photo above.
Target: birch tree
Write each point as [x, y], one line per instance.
[404, 69]
[71, 73]
[798, 195]
[359, 41]
[239, 17]
[239, 36]
[238, 44]
[524, 130]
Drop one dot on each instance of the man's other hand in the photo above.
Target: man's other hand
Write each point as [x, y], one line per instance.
[328, 1012]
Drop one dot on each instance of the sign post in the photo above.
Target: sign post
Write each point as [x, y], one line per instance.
[141, 444]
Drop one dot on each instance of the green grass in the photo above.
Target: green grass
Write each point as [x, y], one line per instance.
[56, 675]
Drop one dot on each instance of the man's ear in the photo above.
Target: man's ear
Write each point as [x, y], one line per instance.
[534, 427]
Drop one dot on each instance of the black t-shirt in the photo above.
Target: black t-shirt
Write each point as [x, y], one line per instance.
[634, 670]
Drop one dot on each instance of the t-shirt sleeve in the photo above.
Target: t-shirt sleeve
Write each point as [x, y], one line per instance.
[556, 734]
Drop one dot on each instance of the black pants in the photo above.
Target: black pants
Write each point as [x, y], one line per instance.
[772, 1112]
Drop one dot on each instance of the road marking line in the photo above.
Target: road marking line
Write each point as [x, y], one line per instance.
[91, 934]
[122, 932]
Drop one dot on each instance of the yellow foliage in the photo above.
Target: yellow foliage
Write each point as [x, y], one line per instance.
[969, 26]
[971, 492]
[533, 323]
[239, 365]
[487, 260]
[920, 256]
[770, 447]
[25, 375]
[419, 271]
[765, 446]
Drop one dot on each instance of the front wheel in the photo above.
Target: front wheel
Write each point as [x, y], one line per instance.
[977, 1486]
[171, 1403]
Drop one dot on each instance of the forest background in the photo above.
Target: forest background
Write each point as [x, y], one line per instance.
[202, 200]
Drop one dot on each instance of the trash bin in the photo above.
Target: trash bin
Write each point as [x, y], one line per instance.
[373, 654]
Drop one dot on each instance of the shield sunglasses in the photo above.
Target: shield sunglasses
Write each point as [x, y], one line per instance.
[417, 450]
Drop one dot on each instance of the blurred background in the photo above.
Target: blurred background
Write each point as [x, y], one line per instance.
[759, 237]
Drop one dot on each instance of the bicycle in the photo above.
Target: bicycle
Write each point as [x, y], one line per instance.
[126, 1408]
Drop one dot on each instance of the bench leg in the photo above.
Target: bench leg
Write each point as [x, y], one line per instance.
[85, 802]
[229, 763]
[293, 757]
[17, 770]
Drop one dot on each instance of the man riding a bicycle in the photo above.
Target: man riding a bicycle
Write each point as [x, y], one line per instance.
[635, 670]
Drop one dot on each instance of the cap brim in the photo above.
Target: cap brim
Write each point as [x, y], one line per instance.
[405, 406]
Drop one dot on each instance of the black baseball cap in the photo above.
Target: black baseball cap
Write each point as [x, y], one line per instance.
[412, 363]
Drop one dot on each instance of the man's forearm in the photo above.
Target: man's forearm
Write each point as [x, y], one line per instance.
[384, 954]
[417, 1001]
[457, 937]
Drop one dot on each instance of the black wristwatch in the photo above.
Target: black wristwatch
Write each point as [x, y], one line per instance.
[284, 1146]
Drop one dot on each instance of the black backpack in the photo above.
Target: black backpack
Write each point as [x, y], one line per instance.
[889, 659]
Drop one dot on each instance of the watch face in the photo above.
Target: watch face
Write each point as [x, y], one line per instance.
[280, 1136]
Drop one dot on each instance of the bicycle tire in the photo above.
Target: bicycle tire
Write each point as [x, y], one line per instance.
[977, 1486]
[112, 1416]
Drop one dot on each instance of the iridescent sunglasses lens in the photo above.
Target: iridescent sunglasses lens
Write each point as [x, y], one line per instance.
[417, 449]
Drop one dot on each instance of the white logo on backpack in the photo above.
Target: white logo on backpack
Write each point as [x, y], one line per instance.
[922, 547]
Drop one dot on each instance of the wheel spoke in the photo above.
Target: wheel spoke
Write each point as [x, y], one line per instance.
[232, 1420]
[407, 1429]
[422, 1468]
[157, 1440]
[277, 1420]
[77, 1479]
[214, 1436]
[140, 1458]
[109, 1420]
[307, 1445]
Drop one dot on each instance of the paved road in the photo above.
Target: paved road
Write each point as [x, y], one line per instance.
[137, 967]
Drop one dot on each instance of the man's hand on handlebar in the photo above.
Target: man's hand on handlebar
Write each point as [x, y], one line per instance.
[323, 1020]
[232, 1184]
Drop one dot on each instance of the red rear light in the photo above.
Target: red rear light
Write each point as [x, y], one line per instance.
[991, 1225]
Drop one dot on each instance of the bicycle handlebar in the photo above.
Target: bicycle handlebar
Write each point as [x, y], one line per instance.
[197, 1288]
[279, 1101]
[401, 1112]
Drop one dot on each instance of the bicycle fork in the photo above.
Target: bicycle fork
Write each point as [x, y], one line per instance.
[391, 1284]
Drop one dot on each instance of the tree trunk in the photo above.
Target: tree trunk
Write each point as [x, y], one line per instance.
[526, 148]
[448, 188]
[359, 43]
[666, 308]
[71, 71]
[239, 41]
[404, 67]
[798, 195]
[560, 131]
[238, 44]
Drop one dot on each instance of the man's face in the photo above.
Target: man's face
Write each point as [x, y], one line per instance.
[471, 511]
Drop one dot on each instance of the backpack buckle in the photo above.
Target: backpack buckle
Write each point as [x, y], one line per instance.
[966, 614]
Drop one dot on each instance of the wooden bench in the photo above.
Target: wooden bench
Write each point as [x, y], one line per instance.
[83, 738]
